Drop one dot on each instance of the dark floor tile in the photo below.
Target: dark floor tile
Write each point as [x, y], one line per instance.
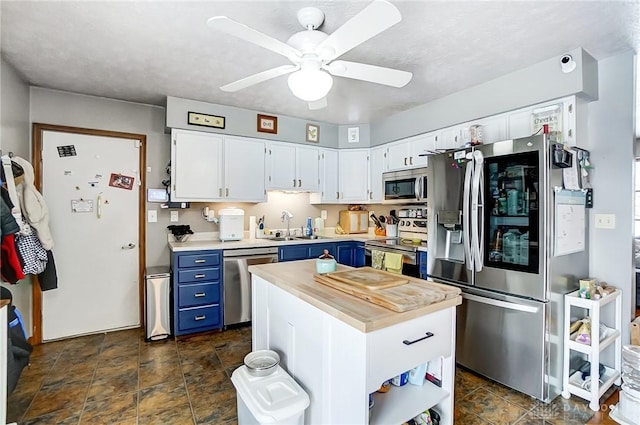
[52, 398]
[233, 354]
[214, 407]
[120, 349]
[178, 415]
[208, 383]
[563, 411]
[124, 335]
[154, 372]
[60, 417]
[232, 336]
[48, 350]
[114, 410]
[70, 371]
[36, 371]
[514, 397]
[111, 365]
[162, 397]
[158, 350]
[490, 407]
[201, 365]
[112, 384]
[17, 405]
[465, 417]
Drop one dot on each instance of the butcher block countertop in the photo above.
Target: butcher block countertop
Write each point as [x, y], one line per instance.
[296, 277]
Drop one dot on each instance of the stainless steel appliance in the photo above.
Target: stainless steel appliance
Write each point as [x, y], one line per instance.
[411, 243]
[237, 280]
[405, 187]
[231, 222]
[491, 214]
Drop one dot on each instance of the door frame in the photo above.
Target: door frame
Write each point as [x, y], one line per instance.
[36, 148]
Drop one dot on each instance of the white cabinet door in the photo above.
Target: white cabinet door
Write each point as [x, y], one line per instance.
[519, 123]
[307, 169]
[244, 170]
[452, 137]
[282, 166]
[494, 128]
[420, 147]
[376, 168]
[354, 175]
[398, 156]
[196, 166]
[328, 171]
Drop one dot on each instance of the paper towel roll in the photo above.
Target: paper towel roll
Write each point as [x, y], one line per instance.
[252, 227]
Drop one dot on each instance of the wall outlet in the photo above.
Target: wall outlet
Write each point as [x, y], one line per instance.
[175, 216]
[152, 216]
[323, 214]
[605, 221]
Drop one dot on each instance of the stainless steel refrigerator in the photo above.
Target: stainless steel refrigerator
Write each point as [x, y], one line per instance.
[491, 225]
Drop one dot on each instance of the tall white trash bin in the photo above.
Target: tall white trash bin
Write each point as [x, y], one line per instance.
[157, 313]
[273, 399]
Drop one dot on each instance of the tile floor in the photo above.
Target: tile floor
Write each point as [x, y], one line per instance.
[117, 378]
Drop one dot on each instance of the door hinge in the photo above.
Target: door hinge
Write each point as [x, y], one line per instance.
[137, 143]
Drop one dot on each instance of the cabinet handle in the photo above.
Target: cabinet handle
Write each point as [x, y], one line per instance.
[407, 342]
[405, 160]
[199, 317]
[200, 261]
[370, 195]
[410, 160]
[299, 183]
[199, 294]
[199, 276]
[219, 192]
[337, 195]
[294, 182]
[227, 192]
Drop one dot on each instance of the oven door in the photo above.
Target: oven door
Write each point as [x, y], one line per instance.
[410, 261]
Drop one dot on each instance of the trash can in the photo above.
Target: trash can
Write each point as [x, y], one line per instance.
[157, 314]
[273, 399]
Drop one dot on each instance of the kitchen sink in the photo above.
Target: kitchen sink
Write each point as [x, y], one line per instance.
[283, 238]
[310, 237]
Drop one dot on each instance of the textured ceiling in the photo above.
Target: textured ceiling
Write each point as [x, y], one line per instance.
[143, 51]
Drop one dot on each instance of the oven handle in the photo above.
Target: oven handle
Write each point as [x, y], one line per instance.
[407, 257]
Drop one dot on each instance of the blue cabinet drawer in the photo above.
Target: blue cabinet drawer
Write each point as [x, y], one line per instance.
[199, 260]
[198, 275]
[199, 294]
[199, 317]
[291, 253]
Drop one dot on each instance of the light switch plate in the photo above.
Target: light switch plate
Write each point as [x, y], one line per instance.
[175, 216]
[152, 216]
[323, 214]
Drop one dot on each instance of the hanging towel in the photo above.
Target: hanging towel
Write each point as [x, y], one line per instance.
[393, 262]
[377, 259]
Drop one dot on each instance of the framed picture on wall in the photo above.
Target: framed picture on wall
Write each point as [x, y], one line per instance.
[313, 133]
[267, 124]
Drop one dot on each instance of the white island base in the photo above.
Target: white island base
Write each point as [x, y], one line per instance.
[340, 348]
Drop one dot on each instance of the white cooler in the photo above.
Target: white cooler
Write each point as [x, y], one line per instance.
[271, 399]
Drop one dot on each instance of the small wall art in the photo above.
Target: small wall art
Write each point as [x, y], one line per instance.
[196, 118]
[313, 133]
[120, 181]
[267, 124]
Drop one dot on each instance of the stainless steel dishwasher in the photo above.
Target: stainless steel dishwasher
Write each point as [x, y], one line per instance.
[237, 280]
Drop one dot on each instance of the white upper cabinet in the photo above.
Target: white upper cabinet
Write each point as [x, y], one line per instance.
[354, 175]
[398, 155]
[292, 168]
[420, 147]
[523, 122]
[494, 129]
[244, 169]
[377, 166]
[196, 166]
[329, 178]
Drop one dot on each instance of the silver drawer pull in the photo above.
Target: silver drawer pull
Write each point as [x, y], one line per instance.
[199, 276]
[200, 317]
[199, 295]
[200, 261]
[407, 342]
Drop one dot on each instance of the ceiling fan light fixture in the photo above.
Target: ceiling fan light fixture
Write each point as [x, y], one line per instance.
[310, 84]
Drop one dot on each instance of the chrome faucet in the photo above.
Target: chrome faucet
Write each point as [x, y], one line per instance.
[286, 216]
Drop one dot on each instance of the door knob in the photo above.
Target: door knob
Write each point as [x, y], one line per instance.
[130, 246]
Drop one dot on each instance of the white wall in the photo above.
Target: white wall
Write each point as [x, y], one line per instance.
[14, 137]
[611, 142]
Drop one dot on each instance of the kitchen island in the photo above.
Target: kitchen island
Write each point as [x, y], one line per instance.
[340, 348]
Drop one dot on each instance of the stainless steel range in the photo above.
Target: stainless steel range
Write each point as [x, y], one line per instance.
[411, 243]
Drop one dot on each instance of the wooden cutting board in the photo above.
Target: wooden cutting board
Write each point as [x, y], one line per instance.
[368, 277]
[416, 293]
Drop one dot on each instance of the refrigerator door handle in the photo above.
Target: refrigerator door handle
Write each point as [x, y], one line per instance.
[500, 303]
[476, 208]
[466, 215]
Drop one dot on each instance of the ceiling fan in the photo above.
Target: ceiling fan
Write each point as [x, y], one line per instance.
[313, 52]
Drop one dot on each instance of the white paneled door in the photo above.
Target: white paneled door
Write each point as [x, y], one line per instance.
[91, 186]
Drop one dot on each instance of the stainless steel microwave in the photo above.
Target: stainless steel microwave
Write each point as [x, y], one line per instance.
[405, 187]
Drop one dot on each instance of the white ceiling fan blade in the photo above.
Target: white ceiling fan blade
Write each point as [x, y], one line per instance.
[371, 21]
[222, 23]
[318, 104]
[372, 73]
[259, 77]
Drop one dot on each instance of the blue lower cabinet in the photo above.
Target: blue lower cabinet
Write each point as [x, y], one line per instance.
[305, 251]
[350, 253]
[422, 261]
[197, 291]
[316, 250]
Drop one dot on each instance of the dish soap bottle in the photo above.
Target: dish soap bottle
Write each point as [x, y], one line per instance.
[308, 231]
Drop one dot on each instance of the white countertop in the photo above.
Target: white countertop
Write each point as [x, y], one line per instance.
[209, 240]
